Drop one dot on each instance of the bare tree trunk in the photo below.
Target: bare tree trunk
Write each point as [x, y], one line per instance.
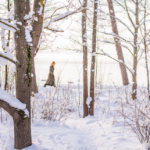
[22, 129]
[145, 48]
[6, 78]
[85, 60]
[96, 71]
[92, 78]
[27, 6]
[34, 87]
[36, 34]
[22, 134]
[135, 51]
[6, 66]
[123, 70]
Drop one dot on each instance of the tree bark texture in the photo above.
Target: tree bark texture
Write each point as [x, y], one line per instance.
[22, 129]
[34, 87]
[22, 133]
[145, 47]
[92, 77]
[135, 52]
[123, 70]
[6, 77]
[6, 66]
[85, 60]
[36, 34]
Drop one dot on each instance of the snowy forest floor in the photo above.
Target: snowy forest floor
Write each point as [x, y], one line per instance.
[57, 121]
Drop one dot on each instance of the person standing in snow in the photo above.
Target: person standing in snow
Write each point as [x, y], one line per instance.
[51, 78]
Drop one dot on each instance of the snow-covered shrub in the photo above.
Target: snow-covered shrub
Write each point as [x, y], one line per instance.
[145, 146]
[53, 103]
[136, 114]
[115, 103]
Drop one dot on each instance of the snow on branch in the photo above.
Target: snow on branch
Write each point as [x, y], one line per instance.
[105, 41]
[4, 45]
[62, 16]
[117, 36]
[12, 101]
[121, 5]
[5, 56]
[119, 61]
[54, 30]
[7, 25]
[54, 12]
[7, 100]
[127, 10]
[118, 20]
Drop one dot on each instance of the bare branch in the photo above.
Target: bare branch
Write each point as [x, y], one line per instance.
[129, 14]
[118, 44]
[65, 15]
[55, 12]
[123, 6]
[119, 37]
[12, 111]
[119, 21]
[7, 24]
[54, 30]
[16, 62]
[105, 54]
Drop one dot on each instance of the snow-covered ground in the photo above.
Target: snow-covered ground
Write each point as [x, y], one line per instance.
[57, 121]
[77, 134]
[106, 130]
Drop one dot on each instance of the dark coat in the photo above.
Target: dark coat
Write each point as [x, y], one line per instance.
[51, 79]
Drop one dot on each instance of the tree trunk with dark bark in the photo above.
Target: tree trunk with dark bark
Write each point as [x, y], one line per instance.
[22, 129]
[36, 34]
[92, 77]
[123, 69]
[22, 133]
[85, 63]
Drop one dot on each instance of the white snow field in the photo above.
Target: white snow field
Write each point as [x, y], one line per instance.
[57, 122]
[63, 128]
